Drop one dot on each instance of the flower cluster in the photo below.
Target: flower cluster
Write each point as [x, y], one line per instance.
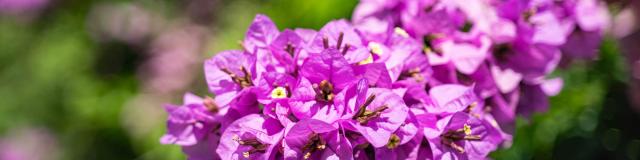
[406, 79]
[505, 47]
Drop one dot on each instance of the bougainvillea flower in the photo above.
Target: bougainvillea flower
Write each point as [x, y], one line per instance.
[228, 74]
[461, 136]
[195, 126]
[314, 139]
[378, 117]
[416, 69]
[329, 66]
[191, 122]
[274, 86]
[328, 73]
[286, 50]
[406, 80]
[342, 37]
[252, 137]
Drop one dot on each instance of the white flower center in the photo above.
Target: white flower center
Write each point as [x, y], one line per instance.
[279, 92]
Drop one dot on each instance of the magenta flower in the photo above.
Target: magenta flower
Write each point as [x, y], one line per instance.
[274, 86]
[407, 80]
[332, 68]
[315, 139]
[288, 52]
[461, 136]
[191, 122]
[194, 125]
[250, 137]
[230, 74]
[339, 35]
[328, 73]
[378, 116]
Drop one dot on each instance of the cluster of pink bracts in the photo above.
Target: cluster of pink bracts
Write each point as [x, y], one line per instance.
[405, 79]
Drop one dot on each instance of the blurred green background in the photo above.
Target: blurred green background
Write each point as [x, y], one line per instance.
[87, 79]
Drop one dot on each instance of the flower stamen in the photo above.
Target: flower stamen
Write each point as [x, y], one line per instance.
[345, 49]
[290, 49]
[415, 73]
[450, 137]
[471, 107]
[210, 104]
[256, 146]
[244, 81]
[315, 143]
[324, 91]
[325, 42]
[453, 145]
[363, 116]
[340, 37]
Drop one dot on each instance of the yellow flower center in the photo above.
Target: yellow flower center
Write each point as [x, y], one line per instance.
[467, 129]
[394, 141]
[278, 92]
[401, 32]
